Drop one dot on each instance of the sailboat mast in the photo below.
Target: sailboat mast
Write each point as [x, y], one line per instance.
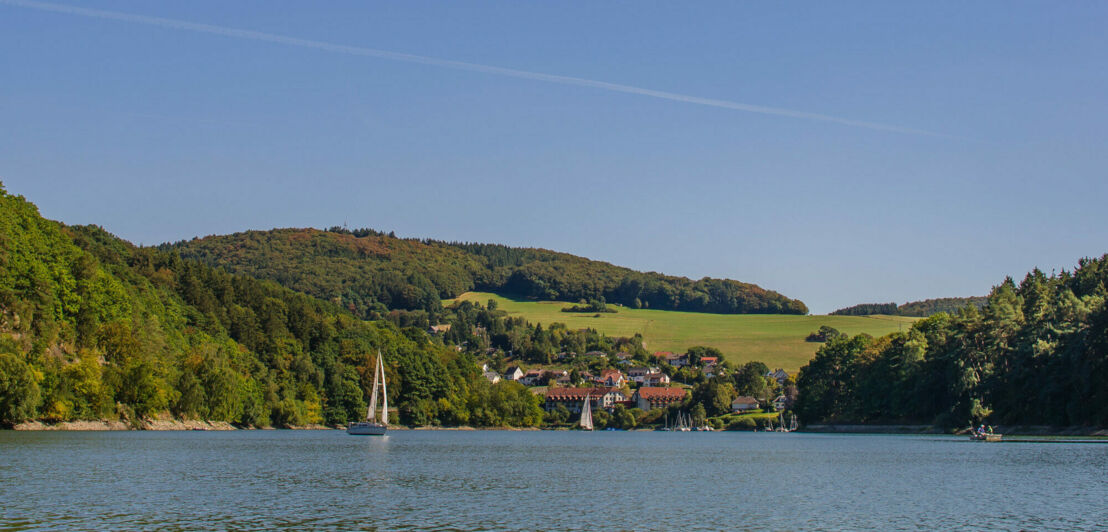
[384, 392]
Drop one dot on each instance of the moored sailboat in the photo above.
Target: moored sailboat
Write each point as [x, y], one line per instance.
[586, 415]
[371, 427]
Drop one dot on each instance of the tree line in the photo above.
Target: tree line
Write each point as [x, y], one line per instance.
[377, 275]
[1035, 353]
[918, 309]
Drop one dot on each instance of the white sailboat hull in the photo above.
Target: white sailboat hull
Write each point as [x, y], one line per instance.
[366, 429]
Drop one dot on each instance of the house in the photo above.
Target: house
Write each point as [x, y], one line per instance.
[513, 373]
[744, 403]
[779, 375]
[671, 358]
[563, 380]
[655, 379]
[598, 354]
[709, 370]
[678, 359]
[574, 398]
[491, 376]
[636, 374]
[533, 377]
[709, 361]
[623, 356]
[611, 377]
[439, 329]
[780, 403]
[651, 397]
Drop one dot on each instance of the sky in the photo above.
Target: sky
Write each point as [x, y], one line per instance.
[838, 153]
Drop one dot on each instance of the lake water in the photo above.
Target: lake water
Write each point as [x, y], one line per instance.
[545, 480]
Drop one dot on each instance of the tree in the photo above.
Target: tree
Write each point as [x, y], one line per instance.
[19, 393]
[699, 415]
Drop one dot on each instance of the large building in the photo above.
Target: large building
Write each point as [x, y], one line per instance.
[651, 397]
[574, 398]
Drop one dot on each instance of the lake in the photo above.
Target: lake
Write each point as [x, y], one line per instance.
[489, 480]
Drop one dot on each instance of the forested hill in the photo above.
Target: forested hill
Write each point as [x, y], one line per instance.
[919, 309]
[1035, 354]
[92, 327]
[371, 273]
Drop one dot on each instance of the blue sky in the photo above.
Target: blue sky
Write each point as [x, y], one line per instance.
[160, 134]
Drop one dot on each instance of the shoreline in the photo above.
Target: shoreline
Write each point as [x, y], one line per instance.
[1007, 430]
[201, 425]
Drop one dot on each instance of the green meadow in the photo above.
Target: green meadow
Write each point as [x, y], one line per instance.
[776, 339]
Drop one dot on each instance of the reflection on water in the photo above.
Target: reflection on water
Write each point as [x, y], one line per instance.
[544, 480]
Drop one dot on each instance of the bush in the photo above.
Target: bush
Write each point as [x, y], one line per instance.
[743, 423]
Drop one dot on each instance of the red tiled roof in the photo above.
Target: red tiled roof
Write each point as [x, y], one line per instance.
[655, 393]
[576, 394]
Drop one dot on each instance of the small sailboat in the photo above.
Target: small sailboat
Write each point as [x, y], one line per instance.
[792, 423]
[586, 415]
[370, 427]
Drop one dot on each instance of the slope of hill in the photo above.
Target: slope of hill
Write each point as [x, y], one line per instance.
[92, 327]
[371, 273]
[777, 340]
[919, 309]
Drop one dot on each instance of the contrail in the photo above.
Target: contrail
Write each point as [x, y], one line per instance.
[457, 65]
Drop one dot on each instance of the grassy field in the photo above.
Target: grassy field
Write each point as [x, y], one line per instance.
[777, 340]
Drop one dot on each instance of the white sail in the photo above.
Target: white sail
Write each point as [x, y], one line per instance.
[384, 392]
[371, 414]
[586, 414]
[370, 427]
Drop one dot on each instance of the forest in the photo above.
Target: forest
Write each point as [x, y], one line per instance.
[92, 327]
[1036, 353]
[373, 274]
[918, 309]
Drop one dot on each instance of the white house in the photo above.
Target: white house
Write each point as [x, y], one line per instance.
[492, 376]
[513, 373]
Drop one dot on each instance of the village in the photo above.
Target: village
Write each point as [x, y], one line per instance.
[654, 391]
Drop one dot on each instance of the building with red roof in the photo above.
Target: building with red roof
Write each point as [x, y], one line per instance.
[651, 397]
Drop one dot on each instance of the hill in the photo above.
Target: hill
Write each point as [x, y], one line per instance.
[372, 273]
[92, 327]
[919, 309]
[777, 340]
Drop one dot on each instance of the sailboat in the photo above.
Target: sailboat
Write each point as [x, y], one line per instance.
[586, 415]
[370, 427]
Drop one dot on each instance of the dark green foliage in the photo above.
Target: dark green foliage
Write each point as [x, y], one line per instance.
[92, 327]
[825, 333]
[867, 309]
[371, 273]
[928, 307]
[19, 393]
[919, 309]
[1035, 353]
[592, 305]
